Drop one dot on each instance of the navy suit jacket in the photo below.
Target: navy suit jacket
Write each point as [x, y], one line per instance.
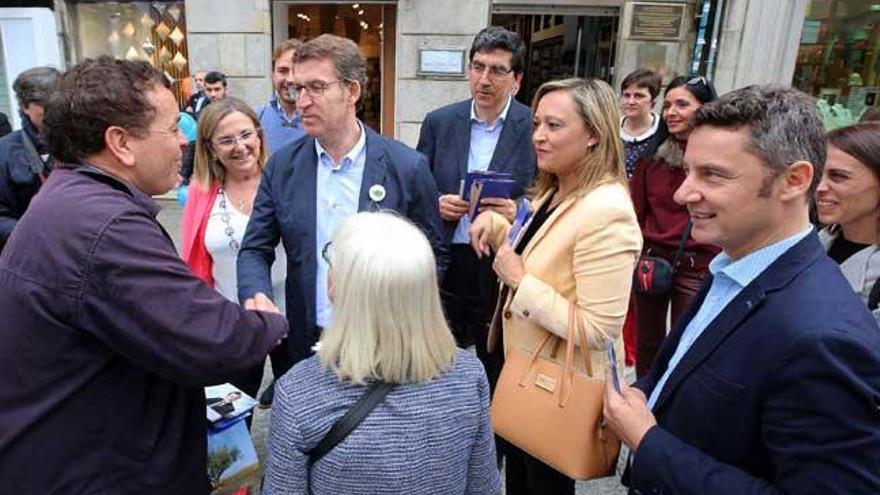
[780, 394]
[285, 208]
[445, 139]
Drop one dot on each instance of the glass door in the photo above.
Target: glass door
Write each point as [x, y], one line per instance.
[371, 26]
[562, 45]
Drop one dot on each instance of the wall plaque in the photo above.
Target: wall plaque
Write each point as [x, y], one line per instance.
[657, 21]
[441, 62]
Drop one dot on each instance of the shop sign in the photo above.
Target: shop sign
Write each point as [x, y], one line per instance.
[656, 21]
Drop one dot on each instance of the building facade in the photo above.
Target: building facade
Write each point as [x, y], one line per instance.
[417, 49]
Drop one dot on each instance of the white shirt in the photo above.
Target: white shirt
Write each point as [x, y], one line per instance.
[218, 243]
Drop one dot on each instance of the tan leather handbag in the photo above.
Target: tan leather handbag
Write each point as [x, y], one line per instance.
[553, 411]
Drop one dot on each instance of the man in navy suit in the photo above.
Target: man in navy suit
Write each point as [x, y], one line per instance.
[490, 131]
[310, 186]
[770, 383]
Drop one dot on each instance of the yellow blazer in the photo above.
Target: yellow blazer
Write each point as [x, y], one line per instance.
[584, 252]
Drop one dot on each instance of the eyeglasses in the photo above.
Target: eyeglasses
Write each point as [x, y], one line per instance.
[315, 89]
[230, 141]
[495, 71]
[327, 252]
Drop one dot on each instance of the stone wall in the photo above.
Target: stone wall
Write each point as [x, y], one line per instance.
[632, 53]
[759, 43]
[234, 37]
[438, 24]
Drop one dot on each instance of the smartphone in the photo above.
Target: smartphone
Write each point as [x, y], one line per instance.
[612, 361]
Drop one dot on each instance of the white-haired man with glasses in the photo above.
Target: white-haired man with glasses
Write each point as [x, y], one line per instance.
[312, 185]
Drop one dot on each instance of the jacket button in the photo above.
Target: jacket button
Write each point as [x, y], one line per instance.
[526, 313]
[507, 314]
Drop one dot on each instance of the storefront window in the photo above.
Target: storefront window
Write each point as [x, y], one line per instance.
[150, 31]
[365, 25]
[838, 58]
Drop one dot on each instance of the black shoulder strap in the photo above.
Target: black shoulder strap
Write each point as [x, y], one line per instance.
[684, 238]
[874, 296]
[360, 410]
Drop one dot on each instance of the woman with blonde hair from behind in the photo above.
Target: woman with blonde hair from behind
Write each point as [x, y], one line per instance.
[431, 433]
[580, 248]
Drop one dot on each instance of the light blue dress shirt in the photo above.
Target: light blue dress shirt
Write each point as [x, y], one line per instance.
[729, 279]
[338, 191]
[484, 138]
[278, 127]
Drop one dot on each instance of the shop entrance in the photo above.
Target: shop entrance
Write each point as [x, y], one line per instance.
[563, 44]
[371, 26]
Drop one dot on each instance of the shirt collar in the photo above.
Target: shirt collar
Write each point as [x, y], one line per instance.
[655, 124]
[501, 118]
[350, 158]
[274, 103]
[746, 269]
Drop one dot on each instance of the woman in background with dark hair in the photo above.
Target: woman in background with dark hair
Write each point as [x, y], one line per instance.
[663, 221]
[848, 201]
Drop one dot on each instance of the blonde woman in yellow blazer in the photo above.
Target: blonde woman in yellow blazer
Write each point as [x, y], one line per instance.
[581, 247]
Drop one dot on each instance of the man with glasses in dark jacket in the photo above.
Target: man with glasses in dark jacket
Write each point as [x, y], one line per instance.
[310, 186]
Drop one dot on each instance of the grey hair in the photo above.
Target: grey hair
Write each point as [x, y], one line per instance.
[784, 126]
[36, 85]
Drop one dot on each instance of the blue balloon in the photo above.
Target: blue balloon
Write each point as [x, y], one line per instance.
[181, 195]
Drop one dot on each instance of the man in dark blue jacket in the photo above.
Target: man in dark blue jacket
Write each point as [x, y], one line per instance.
[310, 186]
[770, 383]
[489, 131]
[24, 159]
[107, 338]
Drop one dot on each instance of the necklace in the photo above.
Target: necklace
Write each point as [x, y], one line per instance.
[225, 218]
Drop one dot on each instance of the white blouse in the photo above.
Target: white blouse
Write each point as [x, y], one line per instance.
[219, 240]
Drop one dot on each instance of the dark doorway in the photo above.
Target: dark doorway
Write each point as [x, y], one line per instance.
[561, 46]
[372, 27]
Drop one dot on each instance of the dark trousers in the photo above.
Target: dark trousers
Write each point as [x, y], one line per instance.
[467, 293]
[296, 347]
[651, 309]
[525, 475]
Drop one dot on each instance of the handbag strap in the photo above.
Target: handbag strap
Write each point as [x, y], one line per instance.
[681, 243]
[574, 327]
[358, 412]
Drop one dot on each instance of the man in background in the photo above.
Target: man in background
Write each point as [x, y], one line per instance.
[198, 99]
[25, 162]
[215, 89]
[280, 121]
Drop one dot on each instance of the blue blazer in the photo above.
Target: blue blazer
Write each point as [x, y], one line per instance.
[285, 209]
[445, 140]
[780, 394]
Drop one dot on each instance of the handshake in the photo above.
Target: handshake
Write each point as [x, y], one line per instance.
[261, 302]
